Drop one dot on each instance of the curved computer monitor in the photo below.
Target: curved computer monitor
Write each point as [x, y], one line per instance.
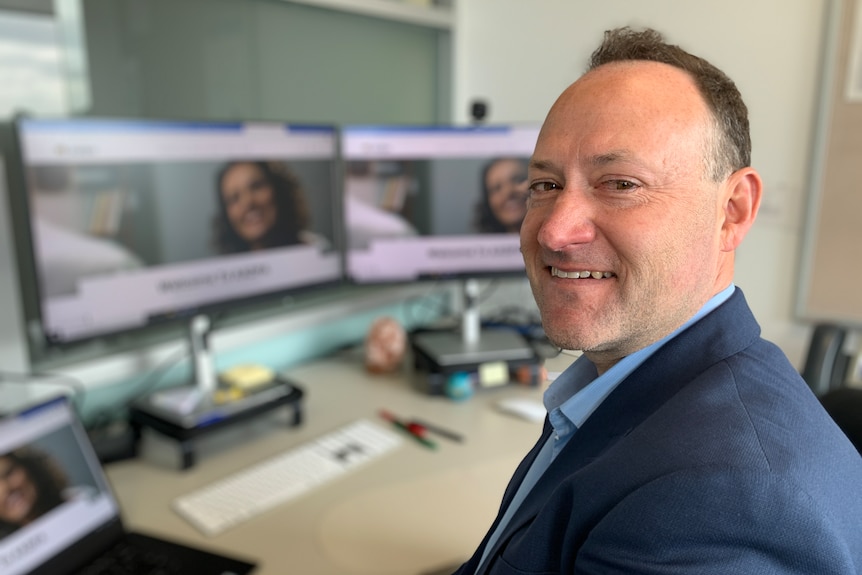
[434, 202]
[135, 222]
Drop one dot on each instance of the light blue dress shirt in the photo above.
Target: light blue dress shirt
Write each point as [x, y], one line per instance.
[575, 395]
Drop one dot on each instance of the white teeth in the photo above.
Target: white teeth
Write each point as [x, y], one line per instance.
[580, 274]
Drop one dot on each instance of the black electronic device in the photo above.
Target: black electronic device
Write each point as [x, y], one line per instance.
[479, 110]
[444, 365]
[75, 524]
[826, 362]
[439, 203]
[185, 426]
[130, 223]
[124, 225]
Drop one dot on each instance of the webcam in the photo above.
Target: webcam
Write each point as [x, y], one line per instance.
[478, 110]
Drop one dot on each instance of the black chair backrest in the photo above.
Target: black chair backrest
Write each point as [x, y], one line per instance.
[845, 407]
[826, 363]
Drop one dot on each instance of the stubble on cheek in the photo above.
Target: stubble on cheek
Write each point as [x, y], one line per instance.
[569, 323]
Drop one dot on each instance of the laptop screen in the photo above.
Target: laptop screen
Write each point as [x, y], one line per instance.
[52, 490]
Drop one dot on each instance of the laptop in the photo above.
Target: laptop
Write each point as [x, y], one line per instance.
[58, 514]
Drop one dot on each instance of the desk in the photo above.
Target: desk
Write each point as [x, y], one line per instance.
[412, 511]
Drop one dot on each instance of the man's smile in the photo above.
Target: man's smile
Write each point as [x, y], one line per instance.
[557, 272]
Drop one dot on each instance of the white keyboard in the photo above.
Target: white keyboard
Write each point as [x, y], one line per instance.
[250, 492]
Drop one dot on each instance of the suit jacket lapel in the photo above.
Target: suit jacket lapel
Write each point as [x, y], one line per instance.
[729, 329]
[508, 495]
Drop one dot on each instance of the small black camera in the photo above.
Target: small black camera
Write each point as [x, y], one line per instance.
[478, 110]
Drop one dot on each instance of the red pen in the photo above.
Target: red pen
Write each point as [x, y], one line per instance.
[436, 429]
[416, 432]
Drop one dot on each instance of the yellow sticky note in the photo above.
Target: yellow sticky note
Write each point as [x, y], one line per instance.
[493, 373]
[247, 377]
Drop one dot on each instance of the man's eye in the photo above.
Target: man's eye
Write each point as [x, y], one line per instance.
[620, 185]
[540, 187]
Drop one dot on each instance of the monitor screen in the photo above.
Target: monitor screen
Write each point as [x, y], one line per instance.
[434, 202]
[134, 222]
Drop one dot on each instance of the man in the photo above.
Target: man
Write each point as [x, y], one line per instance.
[680, 442]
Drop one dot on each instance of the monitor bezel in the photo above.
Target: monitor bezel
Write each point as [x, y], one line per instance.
[460, 276]
[31, 281]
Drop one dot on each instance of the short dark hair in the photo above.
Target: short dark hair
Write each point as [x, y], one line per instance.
[732, 150]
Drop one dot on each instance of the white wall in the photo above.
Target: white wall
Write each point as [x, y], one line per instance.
[13, 350]
[520, 54]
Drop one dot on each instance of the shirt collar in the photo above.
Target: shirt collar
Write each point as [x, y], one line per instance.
[579, 390]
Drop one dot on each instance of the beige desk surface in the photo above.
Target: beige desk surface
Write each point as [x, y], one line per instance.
[410, 512]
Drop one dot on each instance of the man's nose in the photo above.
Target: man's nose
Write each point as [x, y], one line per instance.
[569, 220]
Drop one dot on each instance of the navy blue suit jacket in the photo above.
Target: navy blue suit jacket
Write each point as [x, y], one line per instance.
[712, 457]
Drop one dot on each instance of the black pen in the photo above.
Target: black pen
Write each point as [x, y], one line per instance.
[438, 430]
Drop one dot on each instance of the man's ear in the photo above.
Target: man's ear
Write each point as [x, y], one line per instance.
[742, 193]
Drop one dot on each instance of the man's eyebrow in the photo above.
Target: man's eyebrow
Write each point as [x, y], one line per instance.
[598, 160]
[540, 164]
[609, 157]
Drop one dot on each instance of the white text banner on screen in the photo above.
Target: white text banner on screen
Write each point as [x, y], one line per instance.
[65, 143]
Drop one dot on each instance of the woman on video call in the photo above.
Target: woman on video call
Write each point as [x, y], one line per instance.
[504, 196]
[31, 484]
[261, 205]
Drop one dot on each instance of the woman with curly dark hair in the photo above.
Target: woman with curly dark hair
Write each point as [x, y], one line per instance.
[261, 205]
[504, 196]
[31, 484]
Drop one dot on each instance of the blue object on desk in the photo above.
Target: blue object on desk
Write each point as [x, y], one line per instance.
[459, 386]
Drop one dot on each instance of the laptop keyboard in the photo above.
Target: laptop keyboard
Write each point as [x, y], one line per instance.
[275, 481]
[127, 559]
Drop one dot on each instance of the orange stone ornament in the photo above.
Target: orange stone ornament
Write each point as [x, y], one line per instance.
[385, 345]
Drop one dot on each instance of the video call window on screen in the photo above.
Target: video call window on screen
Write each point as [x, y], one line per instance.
[434, 202]
[49, 496]
[136, 221]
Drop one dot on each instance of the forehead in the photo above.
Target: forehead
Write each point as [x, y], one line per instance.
[652, 86]
[243, 169]
[628, 104]
[504, 165]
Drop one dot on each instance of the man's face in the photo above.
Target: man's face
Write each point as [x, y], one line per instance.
[619, 189]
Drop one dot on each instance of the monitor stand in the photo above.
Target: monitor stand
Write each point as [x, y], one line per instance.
[189, 411]
[473, 345]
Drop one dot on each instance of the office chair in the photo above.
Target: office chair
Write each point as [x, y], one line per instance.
[845, 407]
[826, 363]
